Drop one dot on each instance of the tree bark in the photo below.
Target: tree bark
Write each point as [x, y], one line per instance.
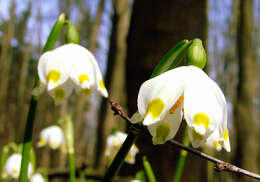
[155, 27]
[115, 77]
[247, 124]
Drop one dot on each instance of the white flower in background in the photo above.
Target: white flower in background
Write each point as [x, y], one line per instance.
[37, 177]
[13, 164]
[135, 180]
[162, 98]
[114, 142]
[53, 136]
[67, 67]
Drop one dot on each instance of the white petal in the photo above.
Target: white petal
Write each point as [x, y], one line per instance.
[172, 121]
[62, 92]
[54, 61]
[162, 92]
[37, 177]
[200, 100]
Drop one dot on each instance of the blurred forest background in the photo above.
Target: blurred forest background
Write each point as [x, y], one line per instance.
[129, 38]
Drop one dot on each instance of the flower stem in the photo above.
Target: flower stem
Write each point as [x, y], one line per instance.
[182, 158]
[120, 157]
[148, 170]
[72, 167]
[27, 143]
[69, 136]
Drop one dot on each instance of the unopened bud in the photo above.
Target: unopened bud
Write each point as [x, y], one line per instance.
[196, 54]
[72, 35]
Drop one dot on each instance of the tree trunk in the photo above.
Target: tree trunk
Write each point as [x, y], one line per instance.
[115, 77]
[88, 146]
[247, 124]
[6, 59]
[155, 27]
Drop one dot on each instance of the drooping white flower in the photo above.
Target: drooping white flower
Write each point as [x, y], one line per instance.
[53, 136]
[37, 177]
[114, 142]
[161, 99]
[67, 67]
[13, 164]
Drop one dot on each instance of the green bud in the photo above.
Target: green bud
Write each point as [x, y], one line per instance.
[196, 54]
[72, 35]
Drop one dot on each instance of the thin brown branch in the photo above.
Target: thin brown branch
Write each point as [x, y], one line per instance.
[219, 164]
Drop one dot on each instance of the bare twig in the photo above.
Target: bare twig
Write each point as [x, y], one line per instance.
[219, 164]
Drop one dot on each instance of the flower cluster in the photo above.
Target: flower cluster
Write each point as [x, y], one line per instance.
[114, 142]
[67, 67]
[53, 136]
[12, 167]
[184, 92]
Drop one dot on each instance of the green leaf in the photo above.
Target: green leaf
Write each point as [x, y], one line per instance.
[55, 32]
[148, 170]
[140, 175]
[172, 58]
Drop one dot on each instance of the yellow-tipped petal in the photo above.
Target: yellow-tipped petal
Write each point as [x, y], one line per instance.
[54, 76]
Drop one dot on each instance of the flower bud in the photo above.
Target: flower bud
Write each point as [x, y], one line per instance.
[196, 54]
[72, 35]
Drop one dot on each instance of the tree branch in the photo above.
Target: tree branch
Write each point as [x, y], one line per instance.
[219, 164]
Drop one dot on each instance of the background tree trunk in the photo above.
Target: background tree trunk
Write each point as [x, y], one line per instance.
[115, 77]
[247, 124]
[155, 27]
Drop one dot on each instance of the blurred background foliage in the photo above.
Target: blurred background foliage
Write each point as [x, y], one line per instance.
[129, 38]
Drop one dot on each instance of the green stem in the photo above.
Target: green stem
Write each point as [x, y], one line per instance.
[69, 137]
[148, 170]
[27, 143]
[182, 158]
[72, 167]
[120, 157]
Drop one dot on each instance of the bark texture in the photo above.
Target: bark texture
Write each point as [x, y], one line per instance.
[245, 120]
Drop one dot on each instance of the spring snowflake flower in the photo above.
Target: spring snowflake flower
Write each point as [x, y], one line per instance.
[12, 166]
[53, 136]
[67, 67]
[114, 142]
[162, 98]
[37, 177]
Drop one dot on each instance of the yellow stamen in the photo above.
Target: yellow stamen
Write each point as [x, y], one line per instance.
[53, 145]
[216, 144]
[155, 108]
[162, 131]
[15, 171]
[83, 78]
[201, 118]
[225, 136]
[177, 103]
[53, 76]
[42, 142]
[59, 93]
[101, 84]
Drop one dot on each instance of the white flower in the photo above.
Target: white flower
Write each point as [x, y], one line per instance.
[161, 99]
[114, 142]
[37, 177]
[67, 67]
[53, 136]
[13, 164]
